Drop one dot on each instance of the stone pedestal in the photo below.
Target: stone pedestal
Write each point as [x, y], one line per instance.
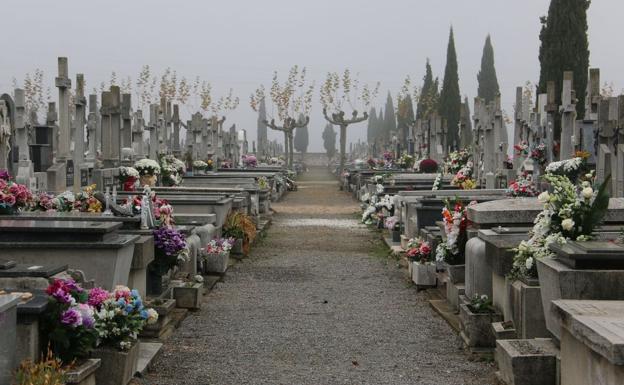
[525, 302]
[117, 367]
[83, 373]
[143, 255]
[478, 272]
[8, 334]
[527, 362]
[476, 328]
[188, 297]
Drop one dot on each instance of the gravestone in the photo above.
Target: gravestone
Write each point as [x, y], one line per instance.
[8, 334]
[94, 129]
[568, 117]
[25, 173]
[137, 135]
[79, 139]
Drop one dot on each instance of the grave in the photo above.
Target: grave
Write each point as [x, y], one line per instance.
[8, 336]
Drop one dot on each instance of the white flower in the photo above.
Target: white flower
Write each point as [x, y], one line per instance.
[199, 279]
[152, 316]
[588, 192]
[529, 263]
[567, 224]
[544, 197]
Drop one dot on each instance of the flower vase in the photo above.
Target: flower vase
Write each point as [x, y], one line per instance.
[82, 373]
[424, 274]
[237, 247]
[148, 180]
[129, 184]
[188, 297]
[118, 366]
[216, 262]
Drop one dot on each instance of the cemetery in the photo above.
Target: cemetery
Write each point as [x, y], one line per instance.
[148, 235]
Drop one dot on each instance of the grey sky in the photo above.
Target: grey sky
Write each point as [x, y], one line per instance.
[239, 43]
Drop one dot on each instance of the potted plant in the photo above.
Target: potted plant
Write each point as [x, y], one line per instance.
[240, 228]
[199, 167]
[119, 318]
[423, 271]
[170, 249]
[189, 294]
[173, 170]
[149, 170]
[451, 251]
[216, 255]
[48, 371]
[128, 177]
[249, 161]
[475, 322]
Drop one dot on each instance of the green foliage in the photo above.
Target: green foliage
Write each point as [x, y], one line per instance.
[488, 82]
[301, 138]
[372, 126]
[390, 123]
[240, 226]
[405, 118]
[329, 140]
[481, 304]
[598, 209]
[450, 98]
[565, 48]
[429, 94]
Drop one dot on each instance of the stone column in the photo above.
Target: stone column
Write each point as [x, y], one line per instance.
[153, 129]
[63, 83]
[51, 118]
[568, 117]
[137, 135]
[126, 116]
[108, 141]
[94, 132]
[78, 155]
[176, 131]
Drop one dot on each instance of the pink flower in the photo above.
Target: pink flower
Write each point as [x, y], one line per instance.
[97, 296]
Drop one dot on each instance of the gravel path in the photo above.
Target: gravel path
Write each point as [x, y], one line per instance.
[313, 305]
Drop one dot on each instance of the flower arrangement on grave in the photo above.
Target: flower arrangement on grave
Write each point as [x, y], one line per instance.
[463, 178]
[119, 316]
[522, 149]
[452, 250]
[388, 159]
[240, 226]
[481, 304]
[170, 249]
[4, 175]
[219, 246]
[48, 371]
[523, 186]
[263, 182]
[43, 201]
[406, 161]
[13, 196]
[418, 250]
[392, 223]
[571, 212]
[372, 163]
[437, 183]
[128, 176]
[428, 166]
[148, 169]
[69, 322]
[249, 161]
[538, 154]
[457, 160]
[200, 165]
[571, 168]
[86, 202]
[173, 170]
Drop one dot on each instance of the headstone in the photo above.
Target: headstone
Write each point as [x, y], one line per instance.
[94, 129]
[153, 130]
[25, 173]
[111, 126]
[568, 116]
[137, 134]
[126, 116]
[79, 139]
[176, 131]
[63, 83]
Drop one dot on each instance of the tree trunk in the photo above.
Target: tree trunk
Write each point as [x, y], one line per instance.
[343, 146]
[286, 148]
[291, 139]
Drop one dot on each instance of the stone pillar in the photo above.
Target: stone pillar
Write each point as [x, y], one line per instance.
[115, 125]
[94, 132]
[51, 118]
[568, 117]
[78, 155]
[63, 83]
[153, 129]
[518, 124]
[137, 135]
[176, 131]
[25, 169]
[551, 110]
[126, 116]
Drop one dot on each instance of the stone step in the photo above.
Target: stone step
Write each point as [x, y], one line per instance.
[445, 310]
[147, 352]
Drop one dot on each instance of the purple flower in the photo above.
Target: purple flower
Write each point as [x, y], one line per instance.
[97, 296]
[169, 241]
[71, 317]
[4, 175]
[86, 313]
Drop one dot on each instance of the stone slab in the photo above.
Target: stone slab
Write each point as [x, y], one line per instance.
[32, 270]
[590, 255]
[147, 353]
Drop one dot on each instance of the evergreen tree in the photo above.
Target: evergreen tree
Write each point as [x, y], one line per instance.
[450, 98]
[329, 140]
[565, 48]
[262, 128]
[390, 124]
[422, 107]
[372, 126]
[405, 118]
[379, 127]
[301, 138]
[488, 82]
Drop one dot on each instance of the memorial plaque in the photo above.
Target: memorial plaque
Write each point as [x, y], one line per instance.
[84, 177]
[69, 173]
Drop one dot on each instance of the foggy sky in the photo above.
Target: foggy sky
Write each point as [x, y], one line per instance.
[238, 44]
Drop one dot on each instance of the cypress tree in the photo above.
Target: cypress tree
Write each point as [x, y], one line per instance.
[379, 127]
[301, 138]
[329, 140]
[390, 125]
[405, 118]
[370, 129]
[488, 82]
[422, 107]
[450, 99]
[565, 48]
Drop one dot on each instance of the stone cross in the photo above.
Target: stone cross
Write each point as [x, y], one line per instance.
[550, 109]
[176, 131]
[5, 131]
[569, 135]
[111, 126]
[593, 95]
[500, 134]
[63, 83]
[79, 139]
[195, 129]
[126, 116]
[25, 168]
[137, 135]
[94, 130]
[153, 129]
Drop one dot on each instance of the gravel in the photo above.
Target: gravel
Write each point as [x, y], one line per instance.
[313, 305]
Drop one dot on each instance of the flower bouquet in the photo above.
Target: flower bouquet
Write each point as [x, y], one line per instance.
[69, 323]
[423, 272]
[128, 177]
[200, 166]
[538, 154]
[418, 251]
[170, 248]
[522, 149]
[13, 196]
[427, 166]
[216, 255]
[451, 251]
[239, 226]
[86, 202]
[249, 161]
[173, 170]
[406, 161]
[388, 159]
[457, 160]
[463, 178]
[523, 186]
[149, 170]
[392, 224]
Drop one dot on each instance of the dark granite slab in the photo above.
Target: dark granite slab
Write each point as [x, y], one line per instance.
[127, 222]
[34, 306]
[54, 231]
[109, 241]
[594, 255]
[31, 270]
